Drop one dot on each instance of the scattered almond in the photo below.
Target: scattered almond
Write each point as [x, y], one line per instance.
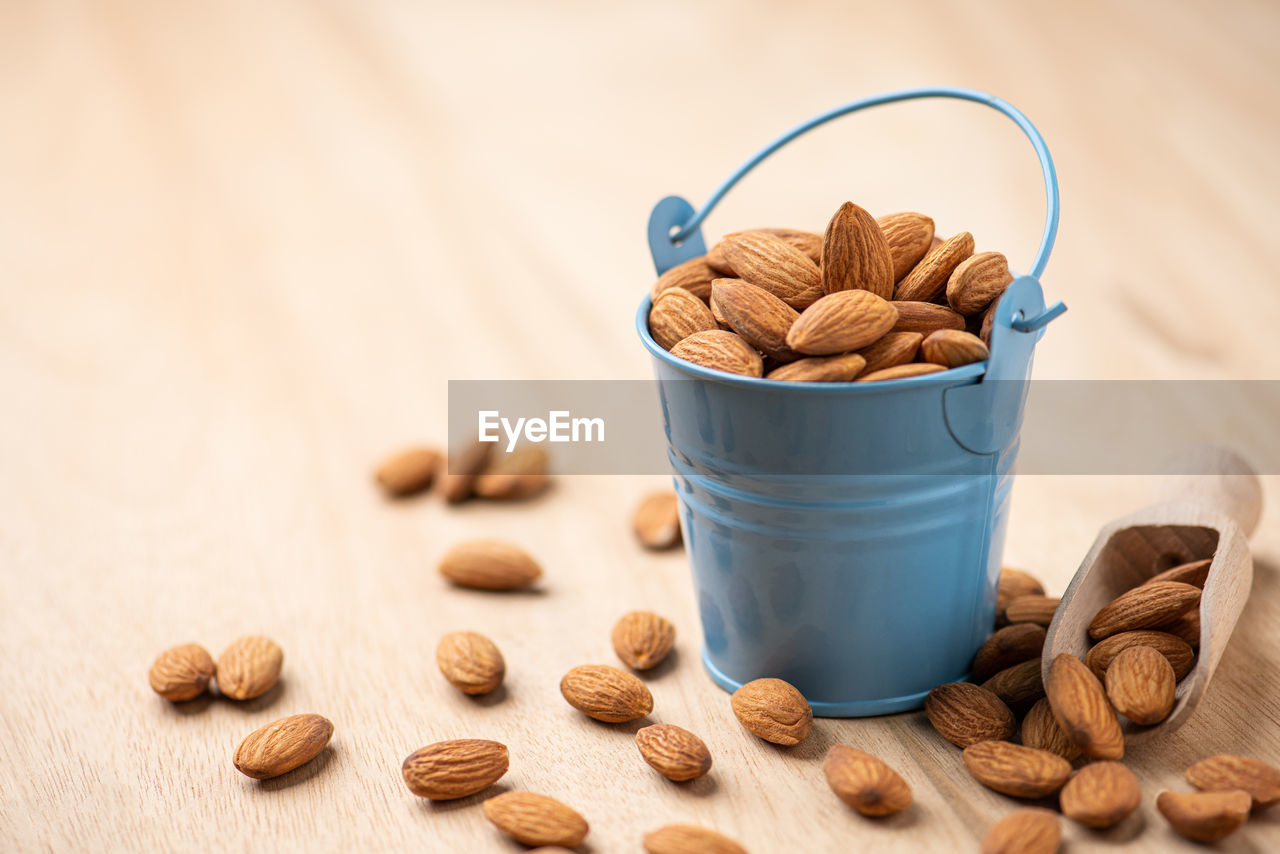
[1101, 794]
[966, 714]
[1007, 647]
[1019, 685]
[909, 235]
[489, 565]
[533, 819]
[1224, 772]
[1205, 816]
[840, 322]
[513, 476]
[820, 369]
[1178, 652]
[1032, 609]
[901, 372]
[457, 481]
[720, 351]
[606, 693]
[673, 752]
[1194, 573]
[1028, 831]
[978, 281]
[642, 639]
[656, 522]
[1146, 607]
[181, 673]
[855, 254]
[775, 265]
[929, 277]
[760, 318]
[676, 314]
[1041, 730]
[925, 317]
[249, 667]
[694, 276]
[1140, 685]
[864, 782]
[896, 348]
[689, 839]
[1015, 770]
[454, 769]
[408, 472]
[1014, 584]
[1081, 708]
[953, 348]
[282, 745]
[471, 662]
[773, 710]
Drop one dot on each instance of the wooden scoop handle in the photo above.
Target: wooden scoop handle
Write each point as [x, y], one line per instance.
[1216, 479]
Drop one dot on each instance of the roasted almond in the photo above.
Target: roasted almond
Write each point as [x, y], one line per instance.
[694, 276]
[1179, 653]
[925, 317]
[865, 782]
[532, 819]
[807, 242]
[1140, 685]
[1014, 584]
[773, 264]
[1194, 573]
[929, 277]
[1015, 770]
[1019, 685]
[471, 662]
[909, 236]
[181, 673]
[675, 315]
[900, 372]
[489, 565]
[606, 693]
[1028, 831]
[840, 322]
[1081, 708]
[514, 475]
[760, 318]
[1225, 771]
[458, 479]
[966, 714]
[952, 348]
[1146, 607]
[855, 254]
[642, 639]
[1032, 609]
[820, 369]
[408, 472]
[896, 348]
[977, 281]
[249, 667]
[1101, 794]
[773, 710]
[673, 752]
[454, 769]
[656, 522]
[1205, 816]
[720, 351]
[1007, 647]
[689, 839]
[282, 745]
[1041, 730]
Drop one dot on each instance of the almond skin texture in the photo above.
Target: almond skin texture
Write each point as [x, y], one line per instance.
[282, 745]
[1140, 685]
[249, 667]
[760, 318]
[673, 752]
[1185, 627]
[1146, 607]
[952, 348]
[471, 662]
[720, 351]
[1040, 730]
[977, 282]
[1007, 647]
[1225, 772]
[901, 372]
[820, 369]
[1101, 794]
[896, 348]
[1019, 685]
[606, 693]
[513, 476]
[181, 673]
[1032, 609]
[909, 236]
[1178, 652]
[855, 254]
[489, 565]
[455, 769]
[864, 782]
[966, 714]
[689, 839]
[1081, 708]
[693, 276]
[536, 819]
[928, 278]
[1014, 584]
[807, 242]
[773, 710]
[1205, 816]
[408, 472]
[1194, 573]
[676, 314]
[925, 317]
[1029, 831]
[656, 522]
[642, 639]
[840, 322]
[1015, 770]
[457, 481]
[773, 264]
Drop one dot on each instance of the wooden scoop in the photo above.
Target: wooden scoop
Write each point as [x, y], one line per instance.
[1196, 516]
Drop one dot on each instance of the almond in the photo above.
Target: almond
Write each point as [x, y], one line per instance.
[1146, 607]
[673, 752]
[1015, 770]
[1032, 609]
[977, 282]
[513, 476]
[1019, 685]
[720, 351]
[775, 265]
[901, 372]
[864, 782]
[1140, 685]
[282, 745]
[1205, 816]
[988, 323]
[408, 472]
[532, 819]
[1185, 627]
[1007, 647]
[642, 639]
[966, 714]
[855, 254]
[656, 522]
[1177, 651]
[1041, 730]
[676, 314]
[1029, 831]
[896, 348]
[1081, 708]
[249, 667]
[606, 693]
[1224, 772]
[689, 839]
[760, 318]
[929, 277]
[1101, 794]
[181, 673]
[471, 662]
[909, 236]
[457, 481]
[1194, 573]
[773, 709]
[694, 276]
[489, 565]
[806, 241]
[953, 348]
[820, 369]
[448, 770]
[925, 317]
[840, 322]
[1014, 584]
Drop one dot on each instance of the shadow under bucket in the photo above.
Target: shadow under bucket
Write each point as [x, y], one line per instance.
[847, 537]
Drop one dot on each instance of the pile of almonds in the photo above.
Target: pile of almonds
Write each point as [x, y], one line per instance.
[472, 472]
[871, 299]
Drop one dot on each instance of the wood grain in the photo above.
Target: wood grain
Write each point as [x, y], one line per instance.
[244, 246]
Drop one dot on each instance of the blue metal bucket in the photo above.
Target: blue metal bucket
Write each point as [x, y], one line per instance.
[847, 537]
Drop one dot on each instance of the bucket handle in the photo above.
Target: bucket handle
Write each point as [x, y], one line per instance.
[674, 227]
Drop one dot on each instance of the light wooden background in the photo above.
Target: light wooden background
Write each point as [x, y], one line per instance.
[244, 245]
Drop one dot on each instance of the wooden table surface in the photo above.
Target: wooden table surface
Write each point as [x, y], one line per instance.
[244, 245]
